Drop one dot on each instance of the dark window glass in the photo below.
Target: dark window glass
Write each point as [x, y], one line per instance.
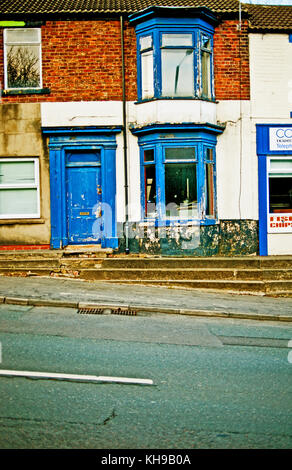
[150, 190]
[180, 189]
[209, 155]
[149, 155]
[209, 189]
[180, 153]
[280, 190]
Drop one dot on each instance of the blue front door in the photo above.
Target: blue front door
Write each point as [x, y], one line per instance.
[83, 197]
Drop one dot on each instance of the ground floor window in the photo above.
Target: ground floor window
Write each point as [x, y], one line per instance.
[178, 180]
[280, 185]
[19, 188]
[279, 194]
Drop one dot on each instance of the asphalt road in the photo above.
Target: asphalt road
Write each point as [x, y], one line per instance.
[218, 383]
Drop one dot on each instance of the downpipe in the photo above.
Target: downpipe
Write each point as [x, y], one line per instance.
[126, 225]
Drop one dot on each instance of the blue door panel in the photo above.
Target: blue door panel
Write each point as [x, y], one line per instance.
[83, 204]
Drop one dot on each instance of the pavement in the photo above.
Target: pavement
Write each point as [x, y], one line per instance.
[132, 299]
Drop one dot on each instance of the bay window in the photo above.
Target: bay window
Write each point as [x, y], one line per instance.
[174, 54]
[178, 174]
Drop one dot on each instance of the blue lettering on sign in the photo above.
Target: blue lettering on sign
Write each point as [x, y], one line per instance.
[280, 133]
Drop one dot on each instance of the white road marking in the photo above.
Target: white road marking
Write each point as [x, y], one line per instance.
[87, 378]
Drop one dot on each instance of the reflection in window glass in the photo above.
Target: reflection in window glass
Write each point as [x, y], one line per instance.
[206, 74]
[22, 58]
[206, 42]
[181, 190]
[209, 175]
[177, 72]
[150, 191]
[147, 74]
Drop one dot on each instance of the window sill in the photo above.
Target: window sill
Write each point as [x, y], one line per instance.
[171, 222]
[21, 221]
[174, 98]
[28, 91]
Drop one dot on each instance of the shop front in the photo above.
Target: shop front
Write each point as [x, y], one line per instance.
[274, 150]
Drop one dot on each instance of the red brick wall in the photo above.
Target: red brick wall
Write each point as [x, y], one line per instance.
[231, 61]
[81, 61]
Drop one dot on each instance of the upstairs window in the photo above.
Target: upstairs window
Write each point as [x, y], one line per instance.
[174, 56]
[22, 58]
[146, 50]
[206, 66]
[177, 65]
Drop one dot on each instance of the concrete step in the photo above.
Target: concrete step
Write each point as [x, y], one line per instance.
[90, 269]
[283, 288]
[29, 263]
[29, 254]
[182, 274]
[251, 287]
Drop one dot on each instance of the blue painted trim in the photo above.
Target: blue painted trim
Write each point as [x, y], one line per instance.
[263, 205]
[156, 21]
[182, 127]
[54, 131]
[151, 137]
[93, 138]
[263, 151]
[290, 37]
[263, 144]
[153, 12]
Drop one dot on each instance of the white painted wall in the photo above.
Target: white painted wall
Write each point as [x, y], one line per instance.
[271, 99]
[279, 243]
[82, 113]
[271, 77]
[172, 111]
[237, 194]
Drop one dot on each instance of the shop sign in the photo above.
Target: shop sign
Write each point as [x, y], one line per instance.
[281, 138]
[280, 223]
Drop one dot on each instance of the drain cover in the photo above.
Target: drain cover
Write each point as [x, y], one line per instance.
[94, 311]
[108, 310]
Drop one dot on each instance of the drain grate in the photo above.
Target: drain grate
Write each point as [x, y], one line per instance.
[107, 310]
[94, 311]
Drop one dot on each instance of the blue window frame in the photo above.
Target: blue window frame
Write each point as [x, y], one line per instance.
[174, 53]
[178, 174]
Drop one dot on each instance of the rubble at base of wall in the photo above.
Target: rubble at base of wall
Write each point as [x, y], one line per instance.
[225, 238]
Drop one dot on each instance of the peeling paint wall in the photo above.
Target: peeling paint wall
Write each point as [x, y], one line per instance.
[227, 238]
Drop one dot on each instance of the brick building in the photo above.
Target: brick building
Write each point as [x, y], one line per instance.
[158, 127]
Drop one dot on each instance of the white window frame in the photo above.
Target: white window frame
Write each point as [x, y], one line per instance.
[31, 43]
[34, 185]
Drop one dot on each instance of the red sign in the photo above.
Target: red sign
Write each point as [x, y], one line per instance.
[280, 223]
